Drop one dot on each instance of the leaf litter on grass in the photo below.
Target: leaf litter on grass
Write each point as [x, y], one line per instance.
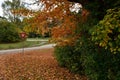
[34, 65]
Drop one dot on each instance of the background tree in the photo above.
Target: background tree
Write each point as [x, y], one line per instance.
[8, 11]
[63, 22]
[2, 18]
[9, 32]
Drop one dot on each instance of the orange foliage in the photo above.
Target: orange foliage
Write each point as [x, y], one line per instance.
[23, 11]
[57, 10]
[84, 15]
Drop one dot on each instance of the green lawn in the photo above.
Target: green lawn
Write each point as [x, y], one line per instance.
[26, 43]
[38, 39]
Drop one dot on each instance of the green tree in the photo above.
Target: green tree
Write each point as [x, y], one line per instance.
[9, 32]
[107, 32]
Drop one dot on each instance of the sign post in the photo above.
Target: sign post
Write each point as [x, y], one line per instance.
[23, 35]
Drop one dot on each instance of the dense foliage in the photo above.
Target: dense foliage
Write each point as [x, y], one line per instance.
[107, 32]
[87, 58]
[97, 62]
[68, 57]
[9, 32]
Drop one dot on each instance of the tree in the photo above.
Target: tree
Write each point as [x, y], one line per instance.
[97, 8]
[2, 18]
[64, 22]
[9, 7]
[9, 32]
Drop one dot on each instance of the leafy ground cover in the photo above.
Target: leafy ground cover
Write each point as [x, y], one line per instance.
[34, 65]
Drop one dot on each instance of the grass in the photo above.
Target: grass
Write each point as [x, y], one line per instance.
[38, 39]
[4, 46]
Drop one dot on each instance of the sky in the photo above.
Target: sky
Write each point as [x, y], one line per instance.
[1, 11]
[30, 1]
[75, 8]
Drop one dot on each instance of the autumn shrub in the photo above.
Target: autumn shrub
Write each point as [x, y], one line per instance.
[90, 58]
[9, 32]
[66, 57]
[107, 32]
[97, 62]
[70, 56]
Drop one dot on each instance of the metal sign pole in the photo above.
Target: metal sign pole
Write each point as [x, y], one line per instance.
[23, 36]
[23, 47]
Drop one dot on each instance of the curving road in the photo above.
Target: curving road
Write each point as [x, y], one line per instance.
[26, 49]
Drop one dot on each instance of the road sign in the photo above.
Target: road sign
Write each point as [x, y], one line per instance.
[23, 35]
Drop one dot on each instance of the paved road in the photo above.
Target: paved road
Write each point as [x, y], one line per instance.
[26, 49]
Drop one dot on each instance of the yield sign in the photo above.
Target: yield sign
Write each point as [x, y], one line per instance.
[23, 35]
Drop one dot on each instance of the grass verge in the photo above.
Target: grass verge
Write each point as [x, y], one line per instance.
[5, 46]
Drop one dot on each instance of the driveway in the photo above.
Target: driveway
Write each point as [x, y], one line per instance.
[26, 49]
